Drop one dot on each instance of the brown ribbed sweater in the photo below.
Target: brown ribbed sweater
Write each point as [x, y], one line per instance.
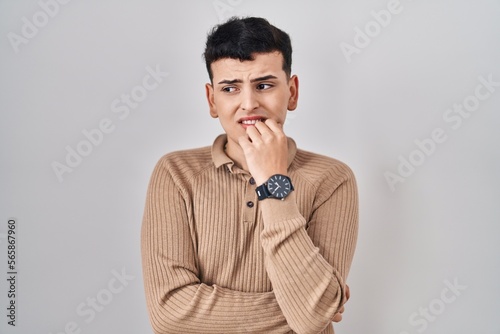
[216, 260]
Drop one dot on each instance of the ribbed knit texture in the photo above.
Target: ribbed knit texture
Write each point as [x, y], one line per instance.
[215, 263]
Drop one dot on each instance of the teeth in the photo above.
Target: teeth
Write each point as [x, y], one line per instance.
[251, 122]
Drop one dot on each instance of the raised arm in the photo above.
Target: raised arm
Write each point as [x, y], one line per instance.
[308, 260]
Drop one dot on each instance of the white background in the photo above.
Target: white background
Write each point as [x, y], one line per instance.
[440, 224]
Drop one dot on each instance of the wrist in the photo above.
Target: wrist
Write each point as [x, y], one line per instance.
[278, 186]
[264, 177]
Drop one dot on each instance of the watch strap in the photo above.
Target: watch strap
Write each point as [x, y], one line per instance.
[262, 192]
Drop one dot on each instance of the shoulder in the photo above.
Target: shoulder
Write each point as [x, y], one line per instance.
[185, 163]
[318, 169]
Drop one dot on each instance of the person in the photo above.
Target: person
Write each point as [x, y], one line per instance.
[250, 234]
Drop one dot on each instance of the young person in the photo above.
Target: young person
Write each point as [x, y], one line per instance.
[250, 234]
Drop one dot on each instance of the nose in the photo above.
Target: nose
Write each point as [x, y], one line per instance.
[249, 100]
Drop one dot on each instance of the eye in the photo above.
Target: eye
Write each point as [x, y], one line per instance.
[264, 86]
[229, 89]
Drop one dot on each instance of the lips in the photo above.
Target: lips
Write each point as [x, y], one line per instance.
[251, 120]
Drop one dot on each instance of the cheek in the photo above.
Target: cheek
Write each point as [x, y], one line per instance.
[225, 105]
[279, 105]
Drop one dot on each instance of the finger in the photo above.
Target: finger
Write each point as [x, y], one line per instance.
[264, 129]
[244, 142]
[270, 131]
[253, 134]
[274, 126]
[347, 292]
[337, 317]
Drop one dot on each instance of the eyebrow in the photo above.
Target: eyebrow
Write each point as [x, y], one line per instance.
[264, 78]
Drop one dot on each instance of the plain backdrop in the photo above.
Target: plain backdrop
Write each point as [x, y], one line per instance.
[374, 89]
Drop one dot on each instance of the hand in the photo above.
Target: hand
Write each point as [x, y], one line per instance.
[338, 316]
[266, 150]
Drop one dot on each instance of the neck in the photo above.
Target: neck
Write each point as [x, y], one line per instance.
[235, 152]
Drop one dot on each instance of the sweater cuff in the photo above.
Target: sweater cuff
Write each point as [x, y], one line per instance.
[276, 210]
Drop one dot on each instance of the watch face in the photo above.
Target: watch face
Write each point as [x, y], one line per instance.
[279, 186]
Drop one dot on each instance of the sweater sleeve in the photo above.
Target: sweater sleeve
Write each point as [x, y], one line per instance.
[178, 302]
[308, 261]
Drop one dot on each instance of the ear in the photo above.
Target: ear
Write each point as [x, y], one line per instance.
[209, 91]
[293, 85]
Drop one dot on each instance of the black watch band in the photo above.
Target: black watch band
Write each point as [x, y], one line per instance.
[262, 192]
[278, 186]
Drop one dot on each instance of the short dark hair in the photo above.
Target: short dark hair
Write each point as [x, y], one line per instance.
[241, 38]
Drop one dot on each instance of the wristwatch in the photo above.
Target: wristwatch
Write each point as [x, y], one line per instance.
[278, 186]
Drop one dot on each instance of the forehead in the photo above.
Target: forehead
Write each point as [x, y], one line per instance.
[263, 64]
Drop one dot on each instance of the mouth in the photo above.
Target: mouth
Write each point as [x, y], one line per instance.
[249, 121]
